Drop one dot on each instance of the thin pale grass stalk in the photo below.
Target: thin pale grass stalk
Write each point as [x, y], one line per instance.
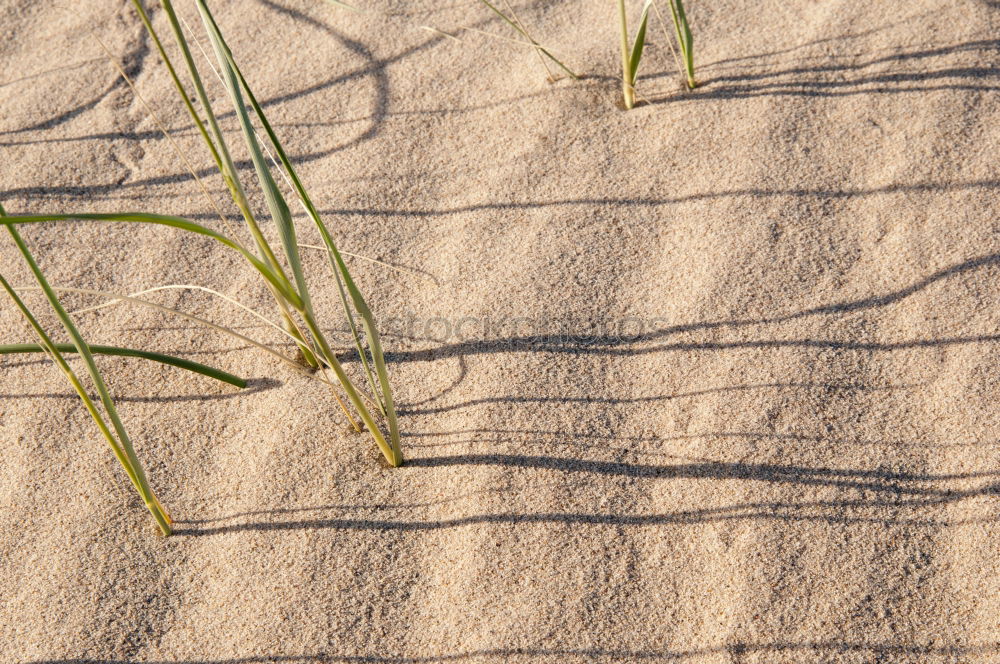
[391, 450]
[117, 351]
[541, 50]
[389, 266]
[204, 289]
[219, 328]
[120, 443]
[344, 5]
[282, 285]
[133, 298]
[668, 38]
[524, 31]
[183, 314]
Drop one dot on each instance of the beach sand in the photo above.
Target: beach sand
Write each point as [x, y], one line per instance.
[712, 380]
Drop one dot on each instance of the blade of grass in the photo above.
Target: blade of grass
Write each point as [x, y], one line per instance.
[96, 349]
[669, 38]
[344, 5]
[204, 289]
[420, 274]
[639, 43]
[53, 352]
[628, 93]
[137, 474]
[514, 18]
[282, 285]
[684, 39]
[183, 314]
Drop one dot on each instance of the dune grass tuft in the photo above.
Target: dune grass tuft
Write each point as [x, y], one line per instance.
[284, 277]
[684, 40]
[631, 55]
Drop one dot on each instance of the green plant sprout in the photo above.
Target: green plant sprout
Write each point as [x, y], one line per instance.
[684, 40]
[631, 56]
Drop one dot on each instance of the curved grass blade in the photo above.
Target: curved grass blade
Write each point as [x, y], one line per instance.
[186, 316]
[180, 363]
[52, 350]
[282, 285]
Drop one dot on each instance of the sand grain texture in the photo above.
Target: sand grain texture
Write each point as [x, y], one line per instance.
[792, 455]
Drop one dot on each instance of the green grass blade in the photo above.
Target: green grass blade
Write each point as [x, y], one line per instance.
[181, 363]
[276, 203]
[628, 92]
[684, 39]
[177, 84]
[83, 349]
[639, 43]
[52, 349]
[265, 270]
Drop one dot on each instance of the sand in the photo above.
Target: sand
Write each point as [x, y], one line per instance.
[714, 380]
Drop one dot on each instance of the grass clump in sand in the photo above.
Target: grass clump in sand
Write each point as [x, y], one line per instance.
[291, 293]
[294, 296]
[115, 434]
[684, 40]
[631, 55]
